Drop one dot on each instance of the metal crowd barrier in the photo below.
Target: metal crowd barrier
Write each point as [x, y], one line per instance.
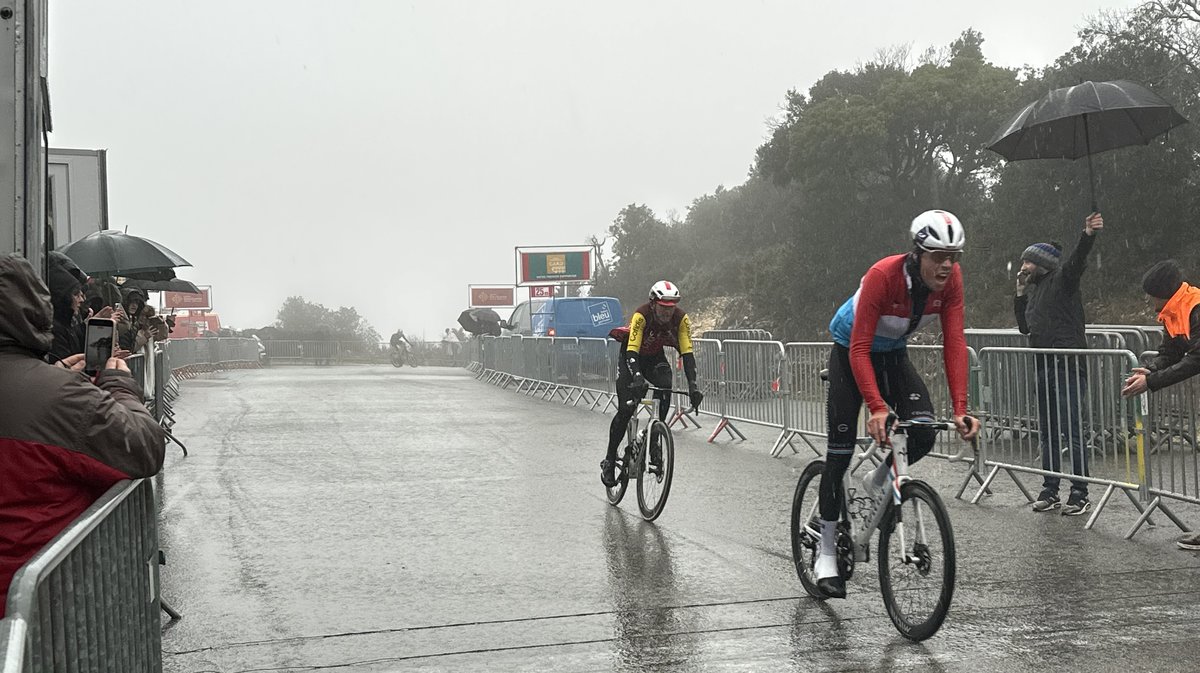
[137, 367]
[738, 335]
[710, 376]
[598, 372]
[90, 599]
[1097, 337]
[1149, 455]
[1092, 415]
[806, 395]
[1172, 445]
[1138, 338]
[284, 350]
[755, 385]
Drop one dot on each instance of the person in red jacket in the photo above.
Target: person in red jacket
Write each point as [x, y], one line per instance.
[64, 439]
[869, 363]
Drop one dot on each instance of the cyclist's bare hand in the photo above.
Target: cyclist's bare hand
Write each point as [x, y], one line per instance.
[968, 426]
[877, 428]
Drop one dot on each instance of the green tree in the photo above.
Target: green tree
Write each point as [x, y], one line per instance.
[856, 156]
[300, 319]
[645, 250]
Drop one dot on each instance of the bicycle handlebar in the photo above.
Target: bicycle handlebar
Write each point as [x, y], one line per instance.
[939, 425]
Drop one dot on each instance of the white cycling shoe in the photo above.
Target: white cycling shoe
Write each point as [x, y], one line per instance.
[829, 580]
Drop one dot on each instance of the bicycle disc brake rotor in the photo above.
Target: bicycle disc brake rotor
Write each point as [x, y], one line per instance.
[921, 558]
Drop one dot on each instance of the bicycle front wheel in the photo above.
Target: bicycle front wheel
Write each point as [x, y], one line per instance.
[916, 561]
[806, 522]
[616, 493]
[654, 479]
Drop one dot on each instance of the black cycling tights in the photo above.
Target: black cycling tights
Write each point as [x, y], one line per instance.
[902, 389]
[657, 371]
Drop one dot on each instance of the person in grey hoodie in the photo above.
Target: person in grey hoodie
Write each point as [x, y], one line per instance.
[1049, 308]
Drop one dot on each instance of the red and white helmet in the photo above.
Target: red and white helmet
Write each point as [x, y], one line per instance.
[938, 230]
[665, 292]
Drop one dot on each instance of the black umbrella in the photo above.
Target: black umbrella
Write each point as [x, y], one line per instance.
[1085, 119]
[173, 285]
[116, 253]
[480, 321]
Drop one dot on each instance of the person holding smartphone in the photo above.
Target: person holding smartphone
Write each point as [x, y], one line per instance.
[65, 436]
[67, 295]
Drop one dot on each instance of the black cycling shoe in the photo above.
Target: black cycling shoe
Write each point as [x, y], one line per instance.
[608, 475]
[656, 461]
[832, 587]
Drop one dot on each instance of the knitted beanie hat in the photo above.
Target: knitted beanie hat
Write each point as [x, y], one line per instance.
[1163, 279]
[1045, 255]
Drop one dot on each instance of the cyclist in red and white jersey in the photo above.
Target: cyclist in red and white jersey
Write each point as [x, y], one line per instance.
[869, 363]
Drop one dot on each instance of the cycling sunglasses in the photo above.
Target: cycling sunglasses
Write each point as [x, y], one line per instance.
[939, 256]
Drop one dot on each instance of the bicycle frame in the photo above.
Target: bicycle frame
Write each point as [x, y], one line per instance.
[632, 430]
[899, 477]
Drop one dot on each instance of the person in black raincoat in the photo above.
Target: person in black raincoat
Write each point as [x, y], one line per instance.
[1049, 309]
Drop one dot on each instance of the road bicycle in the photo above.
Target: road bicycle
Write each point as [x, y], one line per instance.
[401, 356]
[915, 554]
[653, 476]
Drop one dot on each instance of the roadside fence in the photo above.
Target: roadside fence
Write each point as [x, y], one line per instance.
[1069, 400]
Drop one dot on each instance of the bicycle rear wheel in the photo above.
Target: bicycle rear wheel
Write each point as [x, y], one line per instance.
[806, 533]
[654, 487]
[917, 581]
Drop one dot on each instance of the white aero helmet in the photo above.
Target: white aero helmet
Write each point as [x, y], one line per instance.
[665, 292]
[938, 230]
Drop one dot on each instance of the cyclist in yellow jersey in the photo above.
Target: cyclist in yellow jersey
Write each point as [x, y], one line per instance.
[655, 325]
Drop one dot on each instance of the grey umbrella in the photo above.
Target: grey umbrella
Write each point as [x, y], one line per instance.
[1085, 119]
[116, 253]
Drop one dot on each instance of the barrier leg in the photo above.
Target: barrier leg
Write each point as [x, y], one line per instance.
[678, 416]
[1020, 485]
[973, 474]
[784, 439]
[1099, 506]
[171, 612]
[174, 439]
[1154, 504]
[984, 486]
[610, 401]
[815, 450]
[729, 428]
[1171, 515]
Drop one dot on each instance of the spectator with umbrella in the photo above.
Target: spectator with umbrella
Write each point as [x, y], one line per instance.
[480, 321]
[1070, 123]
[1049, 308]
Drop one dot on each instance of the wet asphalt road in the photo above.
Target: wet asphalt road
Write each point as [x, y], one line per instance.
[376, 519]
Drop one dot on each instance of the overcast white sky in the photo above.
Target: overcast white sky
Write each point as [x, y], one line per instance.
[385, 154]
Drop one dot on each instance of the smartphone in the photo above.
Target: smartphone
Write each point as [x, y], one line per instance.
[98, 344]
